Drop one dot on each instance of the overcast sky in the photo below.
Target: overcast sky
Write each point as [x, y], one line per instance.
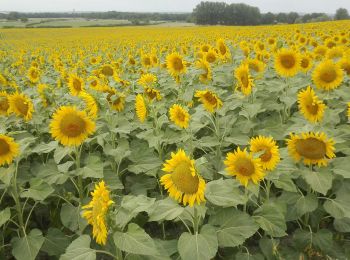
[328, 6]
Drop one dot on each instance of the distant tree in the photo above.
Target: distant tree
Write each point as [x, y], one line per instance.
[268, 18]
[282, 18]
[341, 14]
[13, 16]
[291, 17]
[209, 13]
[24, 19]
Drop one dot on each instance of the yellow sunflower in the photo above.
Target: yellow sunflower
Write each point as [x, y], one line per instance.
[179, 116]
[107, 70]
[313, 148]
[115, 99]
[71, 126]
[271, 156]
[95, 212]
[21, 105]
[75, 84]
[306, 63]
[287, 62]
[344, 64]
[255, 65]
[94, 82]
[140, 107]
[224, 51]
[147, 80]
[90, 103]
[9, 149]
[205, 67]
[33, 74]
[4, 104]
[310, 106]
[244, 80]
[152, 93]
[175, 64]
[182, 181]
[41, 91]
[210, 56]
[3, 81]
[242, 165]
[209, 99]
[327, 75]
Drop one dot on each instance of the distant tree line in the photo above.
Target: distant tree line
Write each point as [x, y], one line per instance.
[212, 13]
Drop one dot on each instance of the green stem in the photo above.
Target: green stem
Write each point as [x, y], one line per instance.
[80, 178]
[245, 195]
[195, 220]
[268, 187]
[18, 203]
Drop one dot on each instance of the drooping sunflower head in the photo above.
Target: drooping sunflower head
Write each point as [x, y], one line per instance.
[223, 49]
[152, 93]
[179, 116]
[209, 99]
[90, 104]
[33, 74]
[75, 84]
[115, 99]
[95, 212]
[21, 105]
[175, 64]
[310, 106]
[287, 62]
[313, 148]
[140, 108]
[147, 80]
[182, 181]
[205, 67]
[327, 75]
[4, 103]
[9, 149]
[71, 126]
[271, 155]
[244, 79]
[242, 165]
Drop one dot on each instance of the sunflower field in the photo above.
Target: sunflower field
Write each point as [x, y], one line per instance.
[175, 143]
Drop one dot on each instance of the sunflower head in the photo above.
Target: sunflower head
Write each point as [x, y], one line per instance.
[9, 149]
[115, 99]
[310, 106]
[244, 79]
[107, 70]
[270, 156]
[75, 84]
[71, 126]
[205, 67]
[327, 75]
[21, 105]
[33, 74]
[242, 165]
[175, 64]
[152, 94]
[4, 103]
[147, 80]
[313, 148]
[179, 116]
[287, 62]
[209, 99]
[140, 108]
[182, 181]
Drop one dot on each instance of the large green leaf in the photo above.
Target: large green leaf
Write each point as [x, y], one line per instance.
[38, 190]
[234, 226]
[320, 180]
[135, 241]
[306, 204]
[27, 247]
[225, 193]
[166, 209]
[200, 246]
[93, 167]
[340, 206]
[79, 249]
[4, 216]
[56, 242]
[71, 217]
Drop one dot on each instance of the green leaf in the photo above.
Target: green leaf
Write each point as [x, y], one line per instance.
[71, 219]
[342, 225]
[6, 174]
[166, 209]
[61, 152]
[200, 246]
[306, 204]
[268, 247]
[93, 167]
[340, 206]
[135, 241]
[320, 180]
[79, 249]
[39, 190]
[323, 239]
[49, 173]
[27, 247]
[45, 148]
[5, 215]
[270, 217]
[225, 193]
[341, 166]
[234, 226]
[55, 242]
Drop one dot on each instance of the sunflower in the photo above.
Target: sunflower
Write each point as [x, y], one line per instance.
[4, 103]
[210, 56]
[147, 80]
[287, 62]
[71, 126]
[205, 67]
[244, 80]
[224, 51]
[94, 82]
[140, 107]
[152, 93]
[175, 64]
[255, 65]
[95, 212]
[313, 148]
[327, 75]
[209, 99]
[344, 64]
[182, 181]
[107, 70]
[271, 155]
[33, 74]
[115, 99]
[242, 165]
[75, 84]
[41, 91]
[90, 103]
[306, 63]
[179, 116]
[8, 149]
[3, 81]
[146, 60]
[310, 106]
[21, 105]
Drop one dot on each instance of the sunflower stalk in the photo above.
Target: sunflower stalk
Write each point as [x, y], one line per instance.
[80, 178]
[195, 220]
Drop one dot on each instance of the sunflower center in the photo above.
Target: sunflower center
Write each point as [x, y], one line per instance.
[34, 74]
[244, 80]
[147, 61]
[177, 64]
[94, 83]
[211, 58]
[210, 98]
[77, 84]
[4, 147]
[4, 105]
[305, 63]
[245, 167]
[312, 108]
[180, 116]
[311, 148]
[266, 156]
[72, 125]
[222, 49]
[107, 71]
[183, 178]
[328, 75]
[22, 106]
[288, 61]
